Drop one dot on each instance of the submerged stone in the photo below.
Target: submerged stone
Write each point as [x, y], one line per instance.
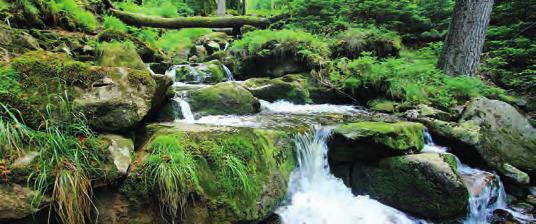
[366, 140]
[426, 185]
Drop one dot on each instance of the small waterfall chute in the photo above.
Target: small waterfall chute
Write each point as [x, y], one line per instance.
[318, 197]
[148, 65]
[228, 73]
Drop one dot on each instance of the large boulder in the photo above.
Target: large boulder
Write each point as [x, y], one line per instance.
[147, 52]
[208, 72]
[52, 86]
[369, 140]
[119, 54]
[426, 185]
[223, 98]
[498, 133]
[241, 173]
[17, 202]
[292, 88]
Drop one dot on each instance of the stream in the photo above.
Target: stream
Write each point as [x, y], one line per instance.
[315, 196]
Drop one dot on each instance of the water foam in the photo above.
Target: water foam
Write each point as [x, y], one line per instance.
[285, 107]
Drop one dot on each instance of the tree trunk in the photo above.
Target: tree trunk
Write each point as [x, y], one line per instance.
[466, 36]
[221, 8]
[188, 22]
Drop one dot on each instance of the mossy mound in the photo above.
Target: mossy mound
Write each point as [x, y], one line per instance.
[274, 53]
[14, 42]
[426, 185]
[223, 98]
[119, 54]
[353, 42]
[234, 174]
[366, 140]
[208, 72]
[293, 88]
[40, 84]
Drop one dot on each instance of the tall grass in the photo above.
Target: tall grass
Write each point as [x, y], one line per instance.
[173, 173]
[13, 133]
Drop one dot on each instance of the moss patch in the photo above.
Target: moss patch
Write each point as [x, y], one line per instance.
[241, 173]
[293, 88]
[223, 98]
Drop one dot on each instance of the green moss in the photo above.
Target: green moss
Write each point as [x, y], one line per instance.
[223, 98]
[147, 51]
[293, 88]
[401, 136]
[383, 106]
[119, 54]
[215, 69]
[235, 168]
[353, 42]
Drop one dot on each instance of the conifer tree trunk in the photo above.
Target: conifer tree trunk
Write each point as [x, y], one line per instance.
[466, 36]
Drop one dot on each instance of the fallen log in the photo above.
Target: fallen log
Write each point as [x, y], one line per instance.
[138, 20]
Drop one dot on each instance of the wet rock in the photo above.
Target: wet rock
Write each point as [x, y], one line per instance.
[209, 72]
[501, 216]
[367, 140]
[386, 106]
[121, 149]
[531, 199]
[426, 185]
[498, 133]
[265, 156]
[223, 98]
[17, 202]
[293, 88]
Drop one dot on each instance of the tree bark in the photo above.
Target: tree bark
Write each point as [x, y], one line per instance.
[466, 36]
[221, 8]
[188, 22]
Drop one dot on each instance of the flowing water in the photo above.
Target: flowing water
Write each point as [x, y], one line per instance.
[285, 107]
[318, 197]
[228, 73]
[486, 190]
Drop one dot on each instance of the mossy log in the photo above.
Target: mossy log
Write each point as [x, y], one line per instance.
[134, 19]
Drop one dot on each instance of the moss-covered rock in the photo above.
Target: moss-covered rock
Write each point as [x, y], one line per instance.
[147, 52]
[119, 54]
[208, 72]
[17, 202]
[386, 106]
[241, 173]
[270, 53]
[366, 140]
[52, 85]
[293, 88]
[223, 98]
[14, 42]
[426, 185]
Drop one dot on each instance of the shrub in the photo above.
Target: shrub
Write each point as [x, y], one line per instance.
[162, 8]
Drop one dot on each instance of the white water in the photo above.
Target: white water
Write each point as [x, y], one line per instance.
[285, 107]
[185, 109]
[318, 197]
[228, 73]
[150, 70]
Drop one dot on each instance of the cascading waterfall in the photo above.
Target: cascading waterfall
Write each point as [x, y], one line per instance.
[486, 190]
[318, 197]
[185, 109]
[228, 73]
[148, 65]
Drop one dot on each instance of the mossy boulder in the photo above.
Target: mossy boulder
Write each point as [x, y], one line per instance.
[223, 98]
[242, 173]
[496, 132]
[208, 72]
[426, 185]
[386, 106]
[367, 140]
[46, 85]
[292, 88]
[119, 54]
[14, 42]
[17, 202]
[147, 52]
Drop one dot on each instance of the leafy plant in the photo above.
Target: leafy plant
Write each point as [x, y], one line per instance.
[110, 22]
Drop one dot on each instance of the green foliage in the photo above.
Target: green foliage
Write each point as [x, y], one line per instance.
[13, 133]
[179, 42]
[3, 5]
[113, 23]
[9, 80]
[381, 42]
[72, 8]
[162, 8]
[412, 79]
[310, 48]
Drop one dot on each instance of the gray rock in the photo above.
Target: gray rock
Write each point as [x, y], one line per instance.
[16, 202]
[121, 149]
